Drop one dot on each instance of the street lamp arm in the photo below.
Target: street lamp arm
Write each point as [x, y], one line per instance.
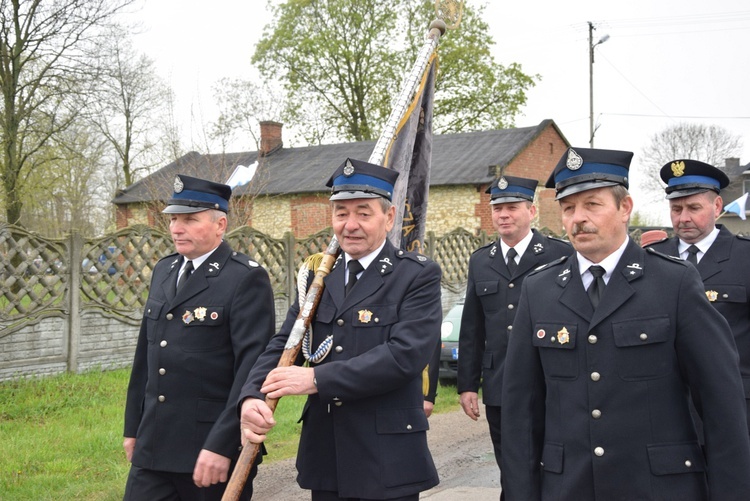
[601, 40]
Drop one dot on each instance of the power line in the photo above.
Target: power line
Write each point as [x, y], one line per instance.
[694, 117]
[684, 20]
[636, 88]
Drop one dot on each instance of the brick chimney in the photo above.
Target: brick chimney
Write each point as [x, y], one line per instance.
[270, 137]
[732, 163]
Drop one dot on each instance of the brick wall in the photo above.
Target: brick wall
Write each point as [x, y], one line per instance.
[484, 211]
[122, 215]
[538, 161]
[133, 214]
[309, 214]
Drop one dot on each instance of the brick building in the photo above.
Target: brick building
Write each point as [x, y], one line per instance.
[739, 177]
[288, 194]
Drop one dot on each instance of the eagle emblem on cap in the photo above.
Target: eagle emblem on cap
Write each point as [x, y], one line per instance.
[574, 161]
[503, 183]
[678, 168]
[348, 169]
[178, 186]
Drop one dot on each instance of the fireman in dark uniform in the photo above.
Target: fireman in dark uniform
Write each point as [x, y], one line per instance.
[198, 340]
[364, 428]
[496, 272]
[606, 348]
[722, 258]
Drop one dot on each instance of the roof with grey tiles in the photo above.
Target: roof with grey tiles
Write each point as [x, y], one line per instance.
[457, 159]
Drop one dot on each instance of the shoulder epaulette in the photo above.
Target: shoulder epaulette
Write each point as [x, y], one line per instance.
[556, 262]
[560, 240]
[743, 237]
[414, 256]
[655, 252]
[485, 246]
[170, 256]
[244, 260]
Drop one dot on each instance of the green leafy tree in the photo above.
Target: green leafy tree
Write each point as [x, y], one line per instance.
[346, 60]
[44, 46]
[70, 192]
[473, 92]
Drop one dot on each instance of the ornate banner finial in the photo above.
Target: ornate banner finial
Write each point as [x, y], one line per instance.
[450, 12]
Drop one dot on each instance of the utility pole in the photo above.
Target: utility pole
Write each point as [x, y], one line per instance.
[591, 79]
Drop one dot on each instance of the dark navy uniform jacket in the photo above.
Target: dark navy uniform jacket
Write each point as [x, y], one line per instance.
[725, 271]
[489, 309]
[596, 405]
[364, 433]
[194, 352]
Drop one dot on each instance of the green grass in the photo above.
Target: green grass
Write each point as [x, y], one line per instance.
[61, 437]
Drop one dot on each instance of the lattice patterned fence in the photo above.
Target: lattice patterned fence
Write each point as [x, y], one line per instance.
[76, 303]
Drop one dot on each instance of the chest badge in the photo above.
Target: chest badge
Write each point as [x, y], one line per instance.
[200, 313]
[187, 317]
[712, 295]
[541, 333]
[365, 316]
[563, 336]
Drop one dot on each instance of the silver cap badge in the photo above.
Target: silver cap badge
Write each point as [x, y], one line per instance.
[574, 161]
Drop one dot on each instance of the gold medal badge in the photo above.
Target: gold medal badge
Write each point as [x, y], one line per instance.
[365, 316]
[712, 295]
[563, 336]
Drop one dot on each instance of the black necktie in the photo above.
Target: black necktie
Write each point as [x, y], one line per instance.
[354, 268]
[512, 260]
[185, 275]
[692, 256]
[596, 289]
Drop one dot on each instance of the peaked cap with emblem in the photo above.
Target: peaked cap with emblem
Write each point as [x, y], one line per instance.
[192, 194]
[358, 179]
[512, 189]
[583, 169]
[689, 177]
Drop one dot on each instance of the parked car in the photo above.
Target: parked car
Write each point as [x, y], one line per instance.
[91, 267]
[449, 347]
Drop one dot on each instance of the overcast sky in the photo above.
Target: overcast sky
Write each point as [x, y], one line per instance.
[665, 62]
